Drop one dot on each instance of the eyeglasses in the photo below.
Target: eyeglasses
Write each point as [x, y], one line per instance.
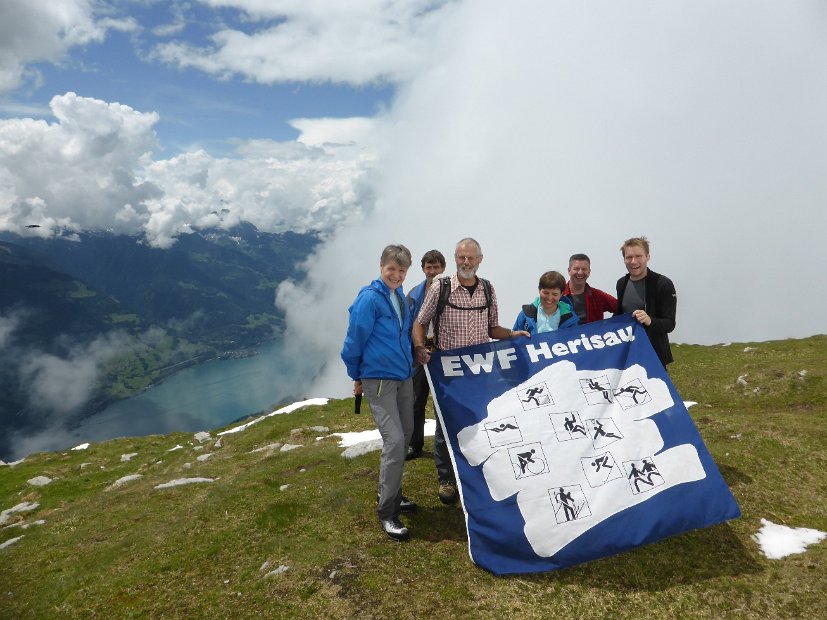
[462, 259]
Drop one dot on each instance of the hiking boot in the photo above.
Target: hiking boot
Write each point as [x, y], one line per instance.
[413, 453]
[448, 492]
[406, 505]
[394, 528]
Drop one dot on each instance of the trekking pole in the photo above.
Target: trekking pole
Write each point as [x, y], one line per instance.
[357, 404]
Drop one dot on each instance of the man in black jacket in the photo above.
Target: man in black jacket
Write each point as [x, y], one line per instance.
[650, 297]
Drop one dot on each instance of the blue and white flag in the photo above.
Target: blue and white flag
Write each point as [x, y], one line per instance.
[570, 446]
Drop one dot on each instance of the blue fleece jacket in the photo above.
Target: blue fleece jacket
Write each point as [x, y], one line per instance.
[376, 345]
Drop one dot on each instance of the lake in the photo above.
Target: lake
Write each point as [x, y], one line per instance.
[203, 397]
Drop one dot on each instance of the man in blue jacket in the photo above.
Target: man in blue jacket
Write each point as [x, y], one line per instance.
[433, 264]
[377, 354]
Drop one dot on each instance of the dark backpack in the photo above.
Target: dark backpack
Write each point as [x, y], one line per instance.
[445, 292]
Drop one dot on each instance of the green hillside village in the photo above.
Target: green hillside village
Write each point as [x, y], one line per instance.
[272, 518]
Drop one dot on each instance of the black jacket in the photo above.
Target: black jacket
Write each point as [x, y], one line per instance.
[661, 304]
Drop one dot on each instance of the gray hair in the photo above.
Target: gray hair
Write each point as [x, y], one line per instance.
[398, 254]
[470, 241]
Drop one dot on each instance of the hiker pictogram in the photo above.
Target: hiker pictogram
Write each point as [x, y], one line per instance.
[597, 390]
[528, 460]
[603, 432]
[535, 396]
[569, 503]
[643, 475]
[503, 432]
[633, 394]
[600, 469]
[568, 426]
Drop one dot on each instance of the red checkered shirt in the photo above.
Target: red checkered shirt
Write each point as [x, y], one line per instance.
[460, 328]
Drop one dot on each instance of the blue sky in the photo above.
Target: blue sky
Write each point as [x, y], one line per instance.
[194, 107]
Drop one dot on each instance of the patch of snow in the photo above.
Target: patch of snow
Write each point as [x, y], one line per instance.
[351, 439]
[178, 447]
[778, 541]
[726, 344]
[181, 481]
[284, 487]
[26, 526]
[748, 349]
[124, 480]
[39, 481]
[362, 442]
[82, 446]
[689, 403]
[128, 457]
[287, 409]
[9, 542]
[22, 507]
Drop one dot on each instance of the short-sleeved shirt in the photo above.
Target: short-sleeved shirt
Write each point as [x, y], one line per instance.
[460, 328]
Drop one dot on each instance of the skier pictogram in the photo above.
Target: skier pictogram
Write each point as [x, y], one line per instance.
[600, 469]
[569, 503]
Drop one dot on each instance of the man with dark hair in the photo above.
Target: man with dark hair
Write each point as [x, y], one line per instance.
[433, 264]
[590, 304]
[650, 297]
[469, 317]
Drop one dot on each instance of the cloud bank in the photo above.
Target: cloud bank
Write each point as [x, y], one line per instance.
[93, 169]
[562, 128]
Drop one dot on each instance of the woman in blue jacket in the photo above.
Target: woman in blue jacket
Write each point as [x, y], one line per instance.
[377, 354]
[550, 311]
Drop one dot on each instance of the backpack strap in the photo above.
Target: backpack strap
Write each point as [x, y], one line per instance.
[445, 292]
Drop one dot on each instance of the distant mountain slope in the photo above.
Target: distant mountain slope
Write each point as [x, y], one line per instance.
[215, 287]
[114, 314]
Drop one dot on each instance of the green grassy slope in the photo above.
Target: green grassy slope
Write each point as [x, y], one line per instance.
[208, 550]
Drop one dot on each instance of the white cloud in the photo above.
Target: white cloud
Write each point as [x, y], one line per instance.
[33, 32]
[60, 384]
[8, 325]
[356, 42]
[569, 127]
[93, 169]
